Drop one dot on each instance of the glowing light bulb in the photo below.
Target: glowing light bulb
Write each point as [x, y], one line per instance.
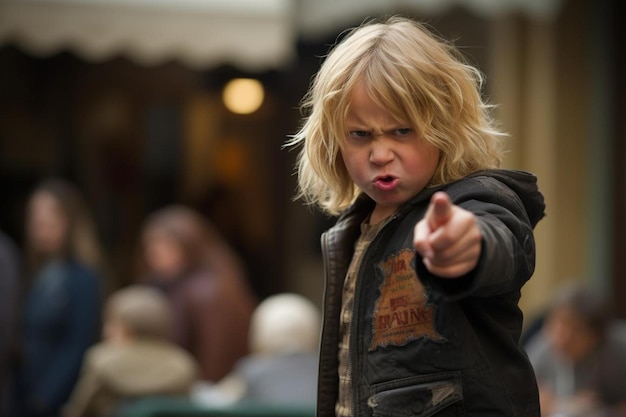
[243, 95]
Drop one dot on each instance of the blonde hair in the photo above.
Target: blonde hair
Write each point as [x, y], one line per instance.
[143, 310]
[421, 79]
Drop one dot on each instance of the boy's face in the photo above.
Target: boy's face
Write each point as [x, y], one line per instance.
[384, 156]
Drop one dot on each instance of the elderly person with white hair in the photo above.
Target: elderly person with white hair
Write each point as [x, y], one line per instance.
[281, 369]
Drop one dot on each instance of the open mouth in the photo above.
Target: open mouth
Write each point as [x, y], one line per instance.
[386, 182]
[386, 179]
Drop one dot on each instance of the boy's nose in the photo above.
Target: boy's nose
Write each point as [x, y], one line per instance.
[380, 152]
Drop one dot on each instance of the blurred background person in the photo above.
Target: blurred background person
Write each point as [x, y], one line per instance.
[9, 304]
[204, 280]
[579, 357]
[62, 307]
[281, 369]
[136, 360]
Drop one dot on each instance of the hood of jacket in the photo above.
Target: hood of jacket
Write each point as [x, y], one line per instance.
[523, 183]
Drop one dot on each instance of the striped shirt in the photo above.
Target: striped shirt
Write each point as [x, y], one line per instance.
[343, 407]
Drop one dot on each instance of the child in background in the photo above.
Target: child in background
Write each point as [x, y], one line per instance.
[136, 360]
[433, 244]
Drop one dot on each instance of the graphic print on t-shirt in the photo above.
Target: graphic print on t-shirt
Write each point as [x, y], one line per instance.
[401, 313]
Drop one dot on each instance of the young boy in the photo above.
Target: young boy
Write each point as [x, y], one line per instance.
[136, 360]
[433, 243]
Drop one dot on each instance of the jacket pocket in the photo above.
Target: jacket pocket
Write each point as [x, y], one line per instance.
[439, 395]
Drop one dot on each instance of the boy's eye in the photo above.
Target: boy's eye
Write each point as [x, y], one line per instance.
[364, 134]
[359, 134]
[403, 131]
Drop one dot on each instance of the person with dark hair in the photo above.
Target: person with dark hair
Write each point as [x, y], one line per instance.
[579, 356]
[63, 266]
[205, 281]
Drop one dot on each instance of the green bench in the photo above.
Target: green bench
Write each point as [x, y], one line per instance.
[167, 407]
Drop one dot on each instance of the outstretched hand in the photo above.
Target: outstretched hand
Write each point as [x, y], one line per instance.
[448, 238]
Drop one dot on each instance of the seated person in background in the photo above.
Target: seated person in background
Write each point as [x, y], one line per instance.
[281, 369]
[136, 360]
[579, 357]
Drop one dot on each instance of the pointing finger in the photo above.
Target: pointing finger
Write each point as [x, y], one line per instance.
[439, 211]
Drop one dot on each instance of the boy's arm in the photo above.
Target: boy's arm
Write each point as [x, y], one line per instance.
[482, 247]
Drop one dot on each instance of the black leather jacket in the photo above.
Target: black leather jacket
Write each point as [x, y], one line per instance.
[427, 346]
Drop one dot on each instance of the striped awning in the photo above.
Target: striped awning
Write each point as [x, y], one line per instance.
[251, 34]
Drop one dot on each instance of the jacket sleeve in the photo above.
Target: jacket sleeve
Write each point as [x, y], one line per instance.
[507, 257]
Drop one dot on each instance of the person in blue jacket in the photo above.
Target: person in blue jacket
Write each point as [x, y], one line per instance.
[63, 302]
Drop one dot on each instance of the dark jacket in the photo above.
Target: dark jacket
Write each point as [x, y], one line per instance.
[212, 312]
[427, 346]
[62, 320]
[9, 313]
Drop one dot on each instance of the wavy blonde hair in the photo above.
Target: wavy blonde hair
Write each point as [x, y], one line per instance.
[423, 80]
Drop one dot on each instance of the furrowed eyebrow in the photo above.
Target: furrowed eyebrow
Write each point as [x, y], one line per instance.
[385, 132]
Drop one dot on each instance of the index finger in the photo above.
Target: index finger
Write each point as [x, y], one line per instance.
[439, 210]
